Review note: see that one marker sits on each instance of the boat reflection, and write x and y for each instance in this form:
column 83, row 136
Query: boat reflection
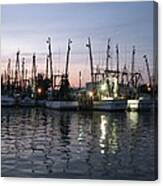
column 46, row 143
column 133, row 119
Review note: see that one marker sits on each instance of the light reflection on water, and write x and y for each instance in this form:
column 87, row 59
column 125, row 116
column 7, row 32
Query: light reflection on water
column 46, row 143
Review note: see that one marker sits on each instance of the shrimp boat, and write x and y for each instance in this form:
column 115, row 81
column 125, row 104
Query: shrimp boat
column 109, row 89
column 119, row 104
column 99, row 98
column 130, row 105
column 114, row 90
column 64, row 98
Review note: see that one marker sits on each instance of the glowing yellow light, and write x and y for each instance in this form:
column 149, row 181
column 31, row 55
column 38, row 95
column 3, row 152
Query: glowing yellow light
column 39, row 90
column 103, row 87
column 149, row 89
column 90, row 93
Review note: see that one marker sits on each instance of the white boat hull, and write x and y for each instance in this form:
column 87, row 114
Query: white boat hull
column 105, row 105
column 130, row 105
column 144, row 104
column 110, row 105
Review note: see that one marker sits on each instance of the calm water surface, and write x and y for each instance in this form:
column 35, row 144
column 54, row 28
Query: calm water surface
column 101, row 145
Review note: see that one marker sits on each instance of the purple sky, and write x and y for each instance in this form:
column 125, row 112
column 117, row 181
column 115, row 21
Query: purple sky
column 27, row 27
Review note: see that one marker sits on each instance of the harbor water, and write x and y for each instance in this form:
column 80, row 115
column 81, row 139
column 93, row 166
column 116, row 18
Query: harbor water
column 39, row 142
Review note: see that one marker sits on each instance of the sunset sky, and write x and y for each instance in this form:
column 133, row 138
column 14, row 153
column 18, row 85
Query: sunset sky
column 26, row 27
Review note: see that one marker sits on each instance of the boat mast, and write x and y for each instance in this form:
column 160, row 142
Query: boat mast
column 108, row 56
column 47, row 67
column 64, row 92
column 23, row 63
column 17, row 69
column 80, row 79
column 67, row 58
column 50, row 60
column 26, row 75
column 33, row 71
column 133, row 65
column 117, row 53
column 148, row 70
column 91, row 59
column 8, row 72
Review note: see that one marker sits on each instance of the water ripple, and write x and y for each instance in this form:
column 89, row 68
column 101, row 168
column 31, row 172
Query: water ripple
column 45, row 143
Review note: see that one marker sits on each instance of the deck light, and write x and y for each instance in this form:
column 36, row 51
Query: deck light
column 90, row 93
column 39, row 90
column 149, row 89
column 103, row 87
